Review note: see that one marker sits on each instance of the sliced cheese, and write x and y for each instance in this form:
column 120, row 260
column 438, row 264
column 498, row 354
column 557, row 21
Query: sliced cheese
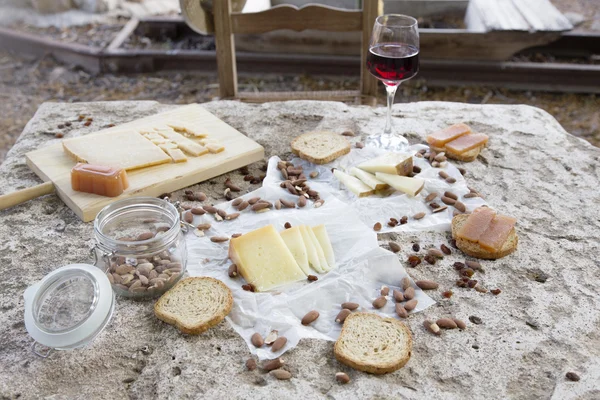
column 368, row 179
column 410, row 186
column 440, row 138
column 186, row 129
column 166, row 146
column 215, row 147
column 389, row 163
column 321, row 234
column 204, row 142
column 353, row 184
column 264, row 260
column 311, row 251
column 293, row 240
column 177, row 155
column 320, row 253
column 159, row 141
column 122, row 149
column 195, row 133
column 194, row 149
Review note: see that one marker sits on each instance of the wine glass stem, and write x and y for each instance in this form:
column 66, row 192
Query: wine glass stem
column 391, row 92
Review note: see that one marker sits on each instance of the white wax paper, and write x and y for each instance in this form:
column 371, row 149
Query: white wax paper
column 362, row 267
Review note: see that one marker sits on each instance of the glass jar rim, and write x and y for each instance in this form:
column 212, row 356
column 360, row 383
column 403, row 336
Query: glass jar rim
column 109, row 244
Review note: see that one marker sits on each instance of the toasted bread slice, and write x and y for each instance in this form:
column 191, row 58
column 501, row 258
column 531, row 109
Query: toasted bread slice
column 320, row 147
column 373, row 344
column 195, row 304
column 474, row 249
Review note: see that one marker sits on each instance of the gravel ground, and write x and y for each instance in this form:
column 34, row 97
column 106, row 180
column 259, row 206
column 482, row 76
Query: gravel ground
column 26, row 83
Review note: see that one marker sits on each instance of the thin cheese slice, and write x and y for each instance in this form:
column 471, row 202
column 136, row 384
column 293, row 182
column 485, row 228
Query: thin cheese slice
column 476, row 224
column 264, row 260
column 466, row 143
column 320, row 252
column 125, row 149
column 440, row 138
column 194, row 149
column 215, row 147
column 293, row 239
column 177, row 155
column 165, row 147
column 186, row 129
column 184, row 143
column 311, row 251
column 497, row 232
column 368, row 179
column 321, row 234
column 353, row 184
column 159, row 141
column 204, row 142
column 410, row 186
column 389, row 163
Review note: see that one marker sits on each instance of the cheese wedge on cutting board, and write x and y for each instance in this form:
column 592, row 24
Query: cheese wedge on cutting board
column 311, row 251
column 315, row 242
column 293, row 240
column 264, row 260
column 353, row 184
column 410, row 186
column 321, row 234
column 389, row 163
column 122, row 150
column 368, row 179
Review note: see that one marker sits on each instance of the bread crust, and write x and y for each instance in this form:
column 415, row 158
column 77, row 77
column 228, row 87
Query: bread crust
column 199, row 328
column 372, row 368
column 342, row 151
column 475, row 250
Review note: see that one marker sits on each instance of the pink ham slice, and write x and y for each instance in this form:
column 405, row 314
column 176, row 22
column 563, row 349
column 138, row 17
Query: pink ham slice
column 497, row 232
column 477, row 223
column 440, row 138
column 466, row 143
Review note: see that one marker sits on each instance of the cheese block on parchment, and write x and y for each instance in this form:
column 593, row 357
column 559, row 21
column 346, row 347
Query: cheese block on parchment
column 389, row 163
column 126, row 149
column 264, row 260
column 293, row 240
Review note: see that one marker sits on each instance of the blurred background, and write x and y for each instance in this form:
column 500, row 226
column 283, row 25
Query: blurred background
column 545, row 53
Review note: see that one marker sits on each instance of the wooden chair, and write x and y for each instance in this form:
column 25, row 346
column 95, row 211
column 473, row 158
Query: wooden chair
column 318, row 17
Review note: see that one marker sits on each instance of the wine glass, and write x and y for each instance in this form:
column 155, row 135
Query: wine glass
column 393, row 58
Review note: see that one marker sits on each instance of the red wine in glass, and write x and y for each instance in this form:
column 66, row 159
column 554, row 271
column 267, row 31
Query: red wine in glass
column 393, row 63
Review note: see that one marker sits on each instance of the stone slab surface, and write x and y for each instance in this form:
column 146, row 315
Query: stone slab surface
column 530, row 336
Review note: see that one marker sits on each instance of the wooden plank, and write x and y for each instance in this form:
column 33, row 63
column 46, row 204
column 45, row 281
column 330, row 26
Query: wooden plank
column 316, row 17
column 124, row 33
column 225, row 43
column 331, row 95
column 371, row 9
column 53, row 164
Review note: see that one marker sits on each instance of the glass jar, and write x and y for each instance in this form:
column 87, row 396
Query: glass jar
column 140, row 246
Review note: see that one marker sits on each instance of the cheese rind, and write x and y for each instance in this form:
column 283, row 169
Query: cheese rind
column 353, row 184
column 321, row 234
column 410, row 186
column 293, row 240
column 264, row 260
column 311, row 251
column 368, row 179
column 389, row 163
column 121, row 149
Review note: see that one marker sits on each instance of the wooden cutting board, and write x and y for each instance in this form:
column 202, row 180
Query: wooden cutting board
column 53, row 164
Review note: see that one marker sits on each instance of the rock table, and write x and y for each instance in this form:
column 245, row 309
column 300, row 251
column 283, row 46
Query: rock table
column 543, row 324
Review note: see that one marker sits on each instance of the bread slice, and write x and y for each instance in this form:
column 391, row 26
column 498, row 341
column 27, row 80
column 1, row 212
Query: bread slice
column 467, row 156
column 195, row 304
column 320, row 147
column 373, row 344
column 474, row 249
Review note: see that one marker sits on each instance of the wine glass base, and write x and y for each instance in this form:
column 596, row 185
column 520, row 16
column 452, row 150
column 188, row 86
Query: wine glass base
column 387, row 142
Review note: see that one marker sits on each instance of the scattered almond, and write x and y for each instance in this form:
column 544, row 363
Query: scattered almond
column 281, row 374
column 430, row 197
column 310, row 317
column 257, row 340
column 379, row 302
column 377, row 227
column 409, row 293
column 385, row 290
column 350, row 306
column 198, row 211
column 398, row 296
column 342, row 315
column 405, row 283
column 219, row 239
column 432, row 327
column 401, row 311
column 278, row 344
column 394, row 247
column 446, row 323
column 342, row 377
column 460, row 324
column 410, row 305
column 233, row 271
column 251, row 364
column 273, row 364
column 418, row 216
column 427, row 285
column 271, row 337
column 312, row 278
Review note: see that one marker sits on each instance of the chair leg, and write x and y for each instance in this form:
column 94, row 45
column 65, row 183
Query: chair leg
column 225, row 43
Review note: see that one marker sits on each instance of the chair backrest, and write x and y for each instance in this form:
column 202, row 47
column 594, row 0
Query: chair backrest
column 313, row 16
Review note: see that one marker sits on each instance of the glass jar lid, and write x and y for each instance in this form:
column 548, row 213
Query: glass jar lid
column 69, row 306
